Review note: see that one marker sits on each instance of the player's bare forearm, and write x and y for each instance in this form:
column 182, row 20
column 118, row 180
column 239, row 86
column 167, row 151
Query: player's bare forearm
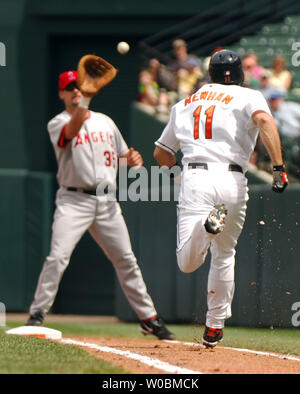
column 269, row 136
column 164, row 158
column 133, row 158
column 76, row 122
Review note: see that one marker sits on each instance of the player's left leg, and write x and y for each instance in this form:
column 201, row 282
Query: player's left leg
column 110, row 232
column 220, row 287
column 193, row 240
column 196, row 200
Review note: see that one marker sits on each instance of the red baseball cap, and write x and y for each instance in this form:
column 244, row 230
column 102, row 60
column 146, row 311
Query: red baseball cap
column 66, row 78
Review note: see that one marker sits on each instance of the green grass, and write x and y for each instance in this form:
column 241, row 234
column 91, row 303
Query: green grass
column 279, row 340
column 274, row 340
column 32, row 355
column 21, row 355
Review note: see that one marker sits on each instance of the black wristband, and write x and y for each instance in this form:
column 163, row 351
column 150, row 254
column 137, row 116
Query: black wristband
column 172, row 175
column 176, row 164
column 279, row 168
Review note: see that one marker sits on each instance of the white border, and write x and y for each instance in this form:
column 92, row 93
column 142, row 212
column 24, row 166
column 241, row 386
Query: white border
column 258, row 352
column 153, row 362
column 164, row 366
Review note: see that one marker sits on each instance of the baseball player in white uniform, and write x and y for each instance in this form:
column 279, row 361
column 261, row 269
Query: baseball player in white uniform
column 216, row 130
column 88, row 145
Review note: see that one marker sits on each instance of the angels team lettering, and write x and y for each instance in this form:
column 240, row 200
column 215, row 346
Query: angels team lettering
column 209, row 96
column 96, row 137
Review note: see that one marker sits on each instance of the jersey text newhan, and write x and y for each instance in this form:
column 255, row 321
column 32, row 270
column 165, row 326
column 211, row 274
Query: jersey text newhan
column 209, row 96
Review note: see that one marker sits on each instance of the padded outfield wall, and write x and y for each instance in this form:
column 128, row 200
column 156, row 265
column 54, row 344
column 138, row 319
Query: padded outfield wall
column 41, row 40
column 44, row 38
column 267, row 261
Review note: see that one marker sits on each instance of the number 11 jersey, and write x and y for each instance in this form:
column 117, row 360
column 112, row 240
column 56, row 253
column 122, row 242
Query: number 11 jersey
column 214, row 125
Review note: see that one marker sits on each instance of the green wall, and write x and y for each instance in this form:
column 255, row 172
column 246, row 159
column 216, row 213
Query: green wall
column 26, row 208
column 26, row 212
column 12, row 147
column 267, row 262
column 44, row 38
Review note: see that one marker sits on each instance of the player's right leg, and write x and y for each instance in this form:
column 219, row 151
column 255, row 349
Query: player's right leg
column 220, row 286
column 196, row 201
column 110, row 232
column 73, row 215
column 193, row 240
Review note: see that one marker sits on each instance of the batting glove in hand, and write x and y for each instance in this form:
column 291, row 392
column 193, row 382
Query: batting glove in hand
column 280, row 180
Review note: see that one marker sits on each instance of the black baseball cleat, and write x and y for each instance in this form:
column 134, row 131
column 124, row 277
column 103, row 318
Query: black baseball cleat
column 215, row 221
column 36, row 319
column 156, row 327
column 212, row 336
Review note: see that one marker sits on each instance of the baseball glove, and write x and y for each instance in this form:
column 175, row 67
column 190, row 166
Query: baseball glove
column 93, row 74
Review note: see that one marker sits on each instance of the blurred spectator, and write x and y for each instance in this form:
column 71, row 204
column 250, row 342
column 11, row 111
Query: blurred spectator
column 252, row 71
column 164, row 103
column 186, row 68
column 176, row 79
column 205, row 78
column 165, row 78
column 154, row 99
column 281, row 76
column 265, row 86
column 205, row 67
column 286, row 115
column 187, row 81
column 182, row 57
column 287, row 118
column 148, row 89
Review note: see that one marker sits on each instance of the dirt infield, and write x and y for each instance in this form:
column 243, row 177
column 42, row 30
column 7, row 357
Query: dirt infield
column 184, row 356
column 196, row 358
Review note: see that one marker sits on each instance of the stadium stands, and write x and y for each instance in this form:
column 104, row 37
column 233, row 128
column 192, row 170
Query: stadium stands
column 276, row 39
column 281, row 37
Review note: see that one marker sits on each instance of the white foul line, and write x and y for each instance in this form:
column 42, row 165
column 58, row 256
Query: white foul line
column 153, row 362
column 261, row 353
column 282, row 356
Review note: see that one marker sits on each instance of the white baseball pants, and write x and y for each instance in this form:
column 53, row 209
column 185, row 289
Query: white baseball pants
column 200, row 191
column 76, row 213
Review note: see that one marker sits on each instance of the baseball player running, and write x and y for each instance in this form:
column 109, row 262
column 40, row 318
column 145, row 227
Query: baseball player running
column 87, row 145
column 216, row 130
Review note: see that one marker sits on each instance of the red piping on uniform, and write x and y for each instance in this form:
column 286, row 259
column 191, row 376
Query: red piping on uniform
column 62, row 141
column 150, row 318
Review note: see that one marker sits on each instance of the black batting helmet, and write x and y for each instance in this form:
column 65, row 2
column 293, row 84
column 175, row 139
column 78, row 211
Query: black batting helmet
column 225, row 67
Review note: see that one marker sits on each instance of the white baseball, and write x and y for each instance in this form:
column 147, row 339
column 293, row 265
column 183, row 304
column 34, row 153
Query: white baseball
column 123, row 47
